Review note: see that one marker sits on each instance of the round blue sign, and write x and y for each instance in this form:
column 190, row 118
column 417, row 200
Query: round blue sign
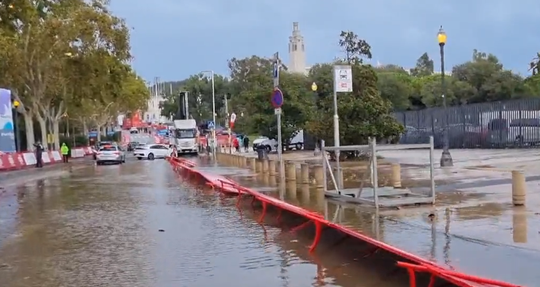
column 277, row 98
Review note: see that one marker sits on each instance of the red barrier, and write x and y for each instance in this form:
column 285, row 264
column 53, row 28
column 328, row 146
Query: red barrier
column 226, row 185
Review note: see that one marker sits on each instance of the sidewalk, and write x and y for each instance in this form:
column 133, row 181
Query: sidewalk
column 30, row 171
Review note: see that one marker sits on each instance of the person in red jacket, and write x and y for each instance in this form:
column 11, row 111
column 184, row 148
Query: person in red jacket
column 236, row 144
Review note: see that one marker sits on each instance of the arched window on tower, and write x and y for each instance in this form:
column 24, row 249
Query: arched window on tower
column 303, row 47
column 295, row 47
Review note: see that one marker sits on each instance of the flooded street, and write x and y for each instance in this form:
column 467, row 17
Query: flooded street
column 139, row 225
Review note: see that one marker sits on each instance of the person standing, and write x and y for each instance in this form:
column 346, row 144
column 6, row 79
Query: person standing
column 246, row 144
column 65, row 152
column 39, row 153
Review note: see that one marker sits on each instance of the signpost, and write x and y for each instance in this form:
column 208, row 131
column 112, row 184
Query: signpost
column 277, row 102
column 342, row 84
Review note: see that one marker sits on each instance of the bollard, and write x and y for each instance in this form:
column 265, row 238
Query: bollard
column 519, row 225
column 265, row 166
column 291, row 192
column 319, row 176
column 305, row 194
column 304, row 173
column 272, row 167
column 518, row 188
column 253, row 164
column 258, row 166
column 272, row 180
column 396, row 175
column 290, row 171
column 243, row 161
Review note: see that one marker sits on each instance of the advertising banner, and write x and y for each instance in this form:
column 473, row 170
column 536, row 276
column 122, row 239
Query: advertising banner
column 7, row 131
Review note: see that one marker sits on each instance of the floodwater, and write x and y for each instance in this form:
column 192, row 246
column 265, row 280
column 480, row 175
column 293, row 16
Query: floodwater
column 139, row 224
column 490, row 240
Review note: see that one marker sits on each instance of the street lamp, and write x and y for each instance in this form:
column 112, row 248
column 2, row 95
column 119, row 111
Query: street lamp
column 446, row 157
column 213, row 109
column 16, row 105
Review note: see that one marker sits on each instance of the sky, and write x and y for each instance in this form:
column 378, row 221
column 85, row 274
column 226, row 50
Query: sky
column 172, row 39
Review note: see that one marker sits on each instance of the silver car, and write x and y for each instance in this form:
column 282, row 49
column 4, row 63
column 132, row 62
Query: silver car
column 110, row 153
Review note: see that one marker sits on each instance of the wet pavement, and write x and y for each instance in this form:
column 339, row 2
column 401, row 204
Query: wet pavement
column 474, row 228
column 139, row 224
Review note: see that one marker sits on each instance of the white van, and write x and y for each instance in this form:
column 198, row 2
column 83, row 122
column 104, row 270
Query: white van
column 504, row 132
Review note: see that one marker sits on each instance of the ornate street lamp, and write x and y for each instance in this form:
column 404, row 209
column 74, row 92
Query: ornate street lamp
column 446, row 157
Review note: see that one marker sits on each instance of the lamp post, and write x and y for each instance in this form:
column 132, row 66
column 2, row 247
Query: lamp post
column 314, row 90
column 16, row 105
column 446, row 157
column 213, row 111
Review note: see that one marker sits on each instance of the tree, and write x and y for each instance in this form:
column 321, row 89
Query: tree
column 251, row 88
column 395, row 85
column 355, row 48
column 363, row 113
column 66, row 57
column 424, row 66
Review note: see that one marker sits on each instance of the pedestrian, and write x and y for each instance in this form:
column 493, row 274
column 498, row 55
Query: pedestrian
column 246, row 144
column 236, row 144
column 39, row 153
column 65, row 152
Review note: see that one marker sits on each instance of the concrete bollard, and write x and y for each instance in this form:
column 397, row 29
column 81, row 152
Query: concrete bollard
column 272, row 167
column 396, row 175
column 253, row 164
column 305, row 194
column 319, row 176
column 518, row 188
column 290, row 171
column 291, row 191
column 519, row 225
column 304, row 173
column 243, row 161
column 265, row 166
column 258, row 166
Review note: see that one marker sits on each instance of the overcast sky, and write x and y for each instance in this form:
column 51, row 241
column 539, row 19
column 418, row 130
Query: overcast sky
column 175, row 38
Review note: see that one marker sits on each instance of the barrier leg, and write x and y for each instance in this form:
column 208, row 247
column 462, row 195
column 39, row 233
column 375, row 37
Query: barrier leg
column 318, row 231
column 264, row 206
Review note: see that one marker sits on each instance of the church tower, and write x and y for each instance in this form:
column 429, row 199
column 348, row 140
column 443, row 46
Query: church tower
column 297, row 52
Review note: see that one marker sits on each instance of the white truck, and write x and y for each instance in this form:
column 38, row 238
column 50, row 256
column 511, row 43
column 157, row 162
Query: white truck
column 186, row 136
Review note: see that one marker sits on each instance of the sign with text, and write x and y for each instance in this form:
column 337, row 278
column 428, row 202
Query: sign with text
column 7, row 129
column 343, row 79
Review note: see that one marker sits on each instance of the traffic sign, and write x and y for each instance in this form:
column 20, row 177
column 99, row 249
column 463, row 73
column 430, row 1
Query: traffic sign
column 276, row 70
column 277, row 98
column 277, row 111
column 211, row 125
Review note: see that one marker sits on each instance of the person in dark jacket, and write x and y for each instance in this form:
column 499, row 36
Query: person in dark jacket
column 246, row 144
column 39, row 154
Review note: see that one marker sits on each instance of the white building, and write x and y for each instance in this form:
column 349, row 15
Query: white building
column 297, row 52
column 153, row 111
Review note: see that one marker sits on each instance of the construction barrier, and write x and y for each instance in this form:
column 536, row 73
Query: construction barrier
column 419, row 270
column 21, row 160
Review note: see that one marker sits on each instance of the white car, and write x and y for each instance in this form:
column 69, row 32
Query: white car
column 152, row 151
column 268, row 144
column 110, row 153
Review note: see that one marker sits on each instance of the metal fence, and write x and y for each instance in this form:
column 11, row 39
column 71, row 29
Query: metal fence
column 488, row 125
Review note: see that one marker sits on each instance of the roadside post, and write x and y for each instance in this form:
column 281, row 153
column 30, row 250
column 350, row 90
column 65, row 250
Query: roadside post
column 342, row 84
column 277, row 102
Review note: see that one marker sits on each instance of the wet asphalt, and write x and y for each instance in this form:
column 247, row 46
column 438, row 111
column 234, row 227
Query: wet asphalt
column 140, row 224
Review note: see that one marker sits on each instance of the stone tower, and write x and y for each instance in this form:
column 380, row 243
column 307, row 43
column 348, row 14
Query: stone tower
column 297, row 52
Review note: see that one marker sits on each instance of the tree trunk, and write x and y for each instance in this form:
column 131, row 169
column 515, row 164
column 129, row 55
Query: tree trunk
column 56, row 134
column 43, row 129
column 98, row 133
column 29, row 127
column 85, row 128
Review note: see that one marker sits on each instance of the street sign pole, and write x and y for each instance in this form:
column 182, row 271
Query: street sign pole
column 277, row 65
column 342, row 84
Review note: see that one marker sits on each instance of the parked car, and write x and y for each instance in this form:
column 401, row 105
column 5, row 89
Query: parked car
column 110, row 153
column 152, row 151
